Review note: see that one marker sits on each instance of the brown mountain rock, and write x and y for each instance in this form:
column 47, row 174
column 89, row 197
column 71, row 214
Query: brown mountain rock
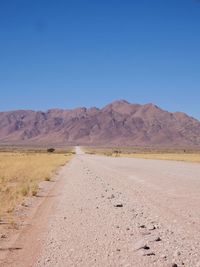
column 119, row 123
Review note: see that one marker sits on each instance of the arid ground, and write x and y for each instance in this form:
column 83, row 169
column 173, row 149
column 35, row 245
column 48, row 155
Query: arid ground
column 107, row 211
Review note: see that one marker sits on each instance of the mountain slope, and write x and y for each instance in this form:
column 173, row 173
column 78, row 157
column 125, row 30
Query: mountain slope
column 119, row 123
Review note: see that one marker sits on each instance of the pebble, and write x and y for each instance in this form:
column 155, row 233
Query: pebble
column 148, row 254
column 164, row 257
column 3, row 236
column 174, row 265
column 154, row 239
column 141, row 245
column 119, row 206
column 151, row 228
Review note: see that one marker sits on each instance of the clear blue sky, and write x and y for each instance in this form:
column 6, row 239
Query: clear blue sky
column 69, row 53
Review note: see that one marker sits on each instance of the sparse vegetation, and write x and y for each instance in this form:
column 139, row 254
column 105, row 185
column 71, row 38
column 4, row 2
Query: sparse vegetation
column 177, row 155
column 21, row 172
column 187, row 157
column 51, row 150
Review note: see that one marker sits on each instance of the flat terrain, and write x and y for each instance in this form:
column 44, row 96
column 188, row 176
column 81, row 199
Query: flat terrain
column 105, row 211
column 187, row 157
column 181, row 155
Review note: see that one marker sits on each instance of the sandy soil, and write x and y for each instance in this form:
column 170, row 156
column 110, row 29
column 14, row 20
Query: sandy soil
column 115, row 212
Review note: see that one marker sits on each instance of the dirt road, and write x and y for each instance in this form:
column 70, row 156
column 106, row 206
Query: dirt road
column 115, row 212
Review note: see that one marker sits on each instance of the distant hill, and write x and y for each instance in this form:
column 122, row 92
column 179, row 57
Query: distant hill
column 119, row 123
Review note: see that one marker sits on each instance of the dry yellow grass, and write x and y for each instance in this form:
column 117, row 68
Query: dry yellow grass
column 193, row 156
column 20, row 174
column 187, row 157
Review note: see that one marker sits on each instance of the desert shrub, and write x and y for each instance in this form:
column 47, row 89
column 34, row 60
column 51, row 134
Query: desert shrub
column 51, row 150
column 116, row 153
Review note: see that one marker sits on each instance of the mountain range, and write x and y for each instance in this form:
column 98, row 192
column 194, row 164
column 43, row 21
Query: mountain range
column 117, row 124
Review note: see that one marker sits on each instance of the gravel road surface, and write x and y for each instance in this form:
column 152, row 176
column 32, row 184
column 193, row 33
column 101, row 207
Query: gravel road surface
column 105, row 211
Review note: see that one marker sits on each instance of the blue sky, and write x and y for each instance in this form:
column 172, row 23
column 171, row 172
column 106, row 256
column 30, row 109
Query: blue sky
column 70, row 53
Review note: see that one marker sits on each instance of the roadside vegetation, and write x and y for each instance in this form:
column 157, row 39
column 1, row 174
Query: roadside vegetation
column 187, row 157
column 21, row 173
column 176, row 155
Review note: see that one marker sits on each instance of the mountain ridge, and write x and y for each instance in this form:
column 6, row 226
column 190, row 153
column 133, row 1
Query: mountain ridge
column 118, row 123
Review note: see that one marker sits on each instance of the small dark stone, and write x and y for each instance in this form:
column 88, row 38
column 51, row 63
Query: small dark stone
column 158, row 239
column 174, row 265
column 152, row 228
column 141, row 245
column 119, row 206
column 148, row 254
